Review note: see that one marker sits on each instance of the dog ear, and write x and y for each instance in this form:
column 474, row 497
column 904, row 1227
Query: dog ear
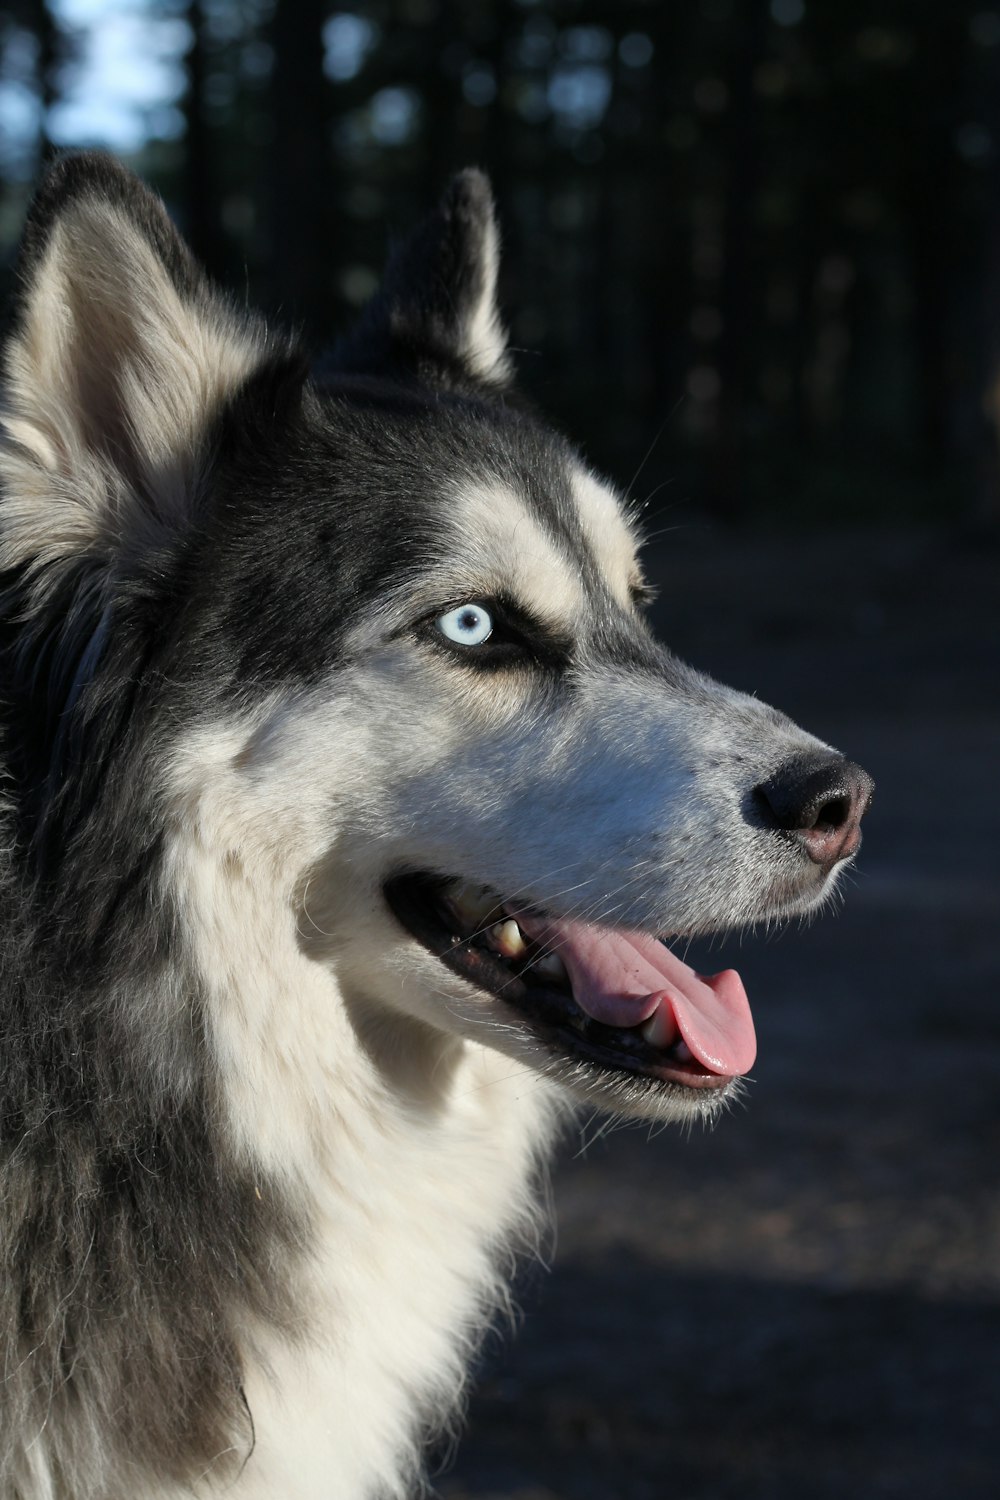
column 435, row 316
column 120, row 360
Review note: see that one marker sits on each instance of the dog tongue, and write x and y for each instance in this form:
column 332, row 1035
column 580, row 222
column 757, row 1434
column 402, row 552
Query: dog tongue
column 621, row 978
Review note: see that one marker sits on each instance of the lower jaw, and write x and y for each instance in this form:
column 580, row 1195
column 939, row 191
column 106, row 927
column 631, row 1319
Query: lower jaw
column 549, row 1015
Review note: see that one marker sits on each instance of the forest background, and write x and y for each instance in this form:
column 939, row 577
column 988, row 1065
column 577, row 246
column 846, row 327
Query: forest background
column 763, row 236
column 752, row 263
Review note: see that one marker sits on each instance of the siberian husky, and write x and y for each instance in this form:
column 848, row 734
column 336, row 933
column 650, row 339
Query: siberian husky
column 346, row 798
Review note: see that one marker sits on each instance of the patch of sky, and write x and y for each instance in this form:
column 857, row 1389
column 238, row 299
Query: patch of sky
column 347, row 41
column 126, row 77
column 579, row 94
column 479, row 85
column 394, row 114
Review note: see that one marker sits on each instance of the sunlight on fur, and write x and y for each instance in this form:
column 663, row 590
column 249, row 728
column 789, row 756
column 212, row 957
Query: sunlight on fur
column 348, row 807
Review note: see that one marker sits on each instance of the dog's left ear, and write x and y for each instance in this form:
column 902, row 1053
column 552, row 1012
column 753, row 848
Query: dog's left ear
column 435, row 317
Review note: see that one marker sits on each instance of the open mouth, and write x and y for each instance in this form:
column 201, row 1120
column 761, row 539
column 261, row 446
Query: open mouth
column 612, row 997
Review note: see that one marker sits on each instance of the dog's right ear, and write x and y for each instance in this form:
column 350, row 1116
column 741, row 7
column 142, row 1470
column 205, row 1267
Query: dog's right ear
column 120, row 360
column 435, row 317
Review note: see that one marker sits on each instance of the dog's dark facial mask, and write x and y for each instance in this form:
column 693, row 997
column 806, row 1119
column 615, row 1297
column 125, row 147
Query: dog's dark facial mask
column 382, row 637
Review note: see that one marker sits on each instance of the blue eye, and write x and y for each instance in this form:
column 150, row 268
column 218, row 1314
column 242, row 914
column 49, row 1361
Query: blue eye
column 468, row 625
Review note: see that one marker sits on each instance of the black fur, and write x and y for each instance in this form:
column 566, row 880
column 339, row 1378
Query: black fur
column 125, row 1229
column 131, row 1248
column 412, row 328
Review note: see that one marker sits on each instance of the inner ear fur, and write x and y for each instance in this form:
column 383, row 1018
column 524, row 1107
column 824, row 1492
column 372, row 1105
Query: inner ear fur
column 120, row 357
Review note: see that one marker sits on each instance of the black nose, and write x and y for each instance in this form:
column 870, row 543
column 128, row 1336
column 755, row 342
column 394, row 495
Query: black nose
column 819, row 800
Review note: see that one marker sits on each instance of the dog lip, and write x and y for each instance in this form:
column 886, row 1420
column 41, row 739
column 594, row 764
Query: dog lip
column 419, row 902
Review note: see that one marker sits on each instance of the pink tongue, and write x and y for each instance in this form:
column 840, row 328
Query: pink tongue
column 621, row 978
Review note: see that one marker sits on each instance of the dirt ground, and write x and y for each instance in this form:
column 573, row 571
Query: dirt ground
column 804, row 1304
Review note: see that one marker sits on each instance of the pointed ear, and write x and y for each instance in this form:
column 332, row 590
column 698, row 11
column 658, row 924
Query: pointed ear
column 120, row 360
column 435, row 316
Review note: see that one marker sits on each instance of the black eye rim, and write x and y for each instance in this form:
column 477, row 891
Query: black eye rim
column 518, row 638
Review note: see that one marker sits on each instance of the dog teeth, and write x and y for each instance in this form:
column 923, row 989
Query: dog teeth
column 508, row 940
column 660, row 1029
column 683, row 1052
column 551, row 965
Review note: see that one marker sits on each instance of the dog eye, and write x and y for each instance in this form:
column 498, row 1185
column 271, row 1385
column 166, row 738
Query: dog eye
column 468, row 625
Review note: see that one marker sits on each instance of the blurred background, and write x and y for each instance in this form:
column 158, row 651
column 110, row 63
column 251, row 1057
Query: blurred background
column 753, row 265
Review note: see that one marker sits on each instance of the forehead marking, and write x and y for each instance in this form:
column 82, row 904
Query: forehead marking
column 502, row 541
column 610, row 538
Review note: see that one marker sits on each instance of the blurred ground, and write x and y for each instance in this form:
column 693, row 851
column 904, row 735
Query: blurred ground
column 805, row 1303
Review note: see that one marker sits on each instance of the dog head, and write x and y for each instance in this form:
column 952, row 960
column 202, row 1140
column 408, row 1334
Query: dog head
column 385, row 632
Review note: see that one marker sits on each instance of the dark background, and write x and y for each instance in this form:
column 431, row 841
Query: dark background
column 753, row 265
column 767, row 232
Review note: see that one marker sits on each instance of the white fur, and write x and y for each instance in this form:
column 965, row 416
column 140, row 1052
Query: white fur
column 108, row 382
column 414, row 1153
column 483, row 337
column 611, row 536
column 401, row 1110
column 353, row 1064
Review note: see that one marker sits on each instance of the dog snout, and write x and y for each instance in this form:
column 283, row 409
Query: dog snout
column 818, row 800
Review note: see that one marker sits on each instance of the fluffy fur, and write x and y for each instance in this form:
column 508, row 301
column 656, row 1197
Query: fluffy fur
column 264, row 1156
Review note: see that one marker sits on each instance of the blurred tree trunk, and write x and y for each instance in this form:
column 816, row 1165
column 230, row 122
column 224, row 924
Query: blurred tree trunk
column 201, row 197
column 727, row 485
column 499, row 134
column 440, row 93
column 660, row 258
column 38, row 19
column 932, row 207
column 988, row 372
column 303, row 181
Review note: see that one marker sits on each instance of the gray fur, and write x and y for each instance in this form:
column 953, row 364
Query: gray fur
column 264, row 1158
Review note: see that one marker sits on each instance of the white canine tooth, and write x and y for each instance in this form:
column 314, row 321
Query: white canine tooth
column 551, row 965
column 683, row 1052
column 508, row 939
column 659, row 1029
